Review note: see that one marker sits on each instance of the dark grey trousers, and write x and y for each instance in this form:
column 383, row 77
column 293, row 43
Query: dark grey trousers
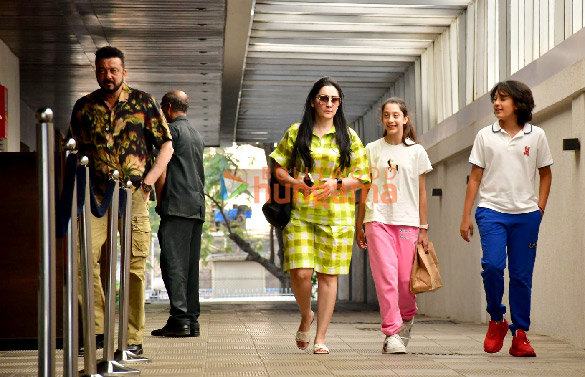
column 180, row 243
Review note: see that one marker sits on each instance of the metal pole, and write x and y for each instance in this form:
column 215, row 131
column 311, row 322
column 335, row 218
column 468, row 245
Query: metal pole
column 108, row 366
column 47, row 292
column 111, row 250
column 86, row 260
column 126, row 239
column 70, row 324
column 122, row 354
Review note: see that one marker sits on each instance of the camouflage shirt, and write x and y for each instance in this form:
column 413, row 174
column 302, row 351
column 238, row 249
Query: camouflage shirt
column 120, row 139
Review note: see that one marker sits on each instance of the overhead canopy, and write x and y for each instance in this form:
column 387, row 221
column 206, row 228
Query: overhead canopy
column 247, row 66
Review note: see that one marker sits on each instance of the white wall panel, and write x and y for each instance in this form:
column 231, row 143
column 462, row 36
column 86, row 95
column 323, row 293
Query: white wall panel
column 470, row 55
column 453, row 60
column 528, row 31
column 521, row 32
column 535, row 29
column 480, row 48
column 488, row 42
column 577, row 15
column 544, row 26
column 514, row 37
column 491, row 44
column 568, row 18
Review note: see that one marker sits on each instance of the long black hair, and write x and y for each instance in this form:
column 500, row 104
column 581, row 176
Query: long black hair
column 305, row 134
column 521, row 95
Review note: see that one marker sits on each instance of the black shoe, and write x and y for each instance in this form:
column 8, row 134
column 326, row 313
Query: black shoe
column 135, row 349
column 172, row 331
column 195, row 329
column 99, row 344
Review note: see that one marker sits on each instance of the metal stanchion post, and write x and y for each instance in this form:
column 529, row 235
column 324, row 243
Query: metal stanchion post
column 70, row 324
column 109, row 366
column 122, row 354
column 86, row 261
column 47, row 291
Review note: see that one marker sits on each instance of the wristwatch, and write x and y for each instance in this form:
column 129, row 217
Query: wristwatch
column 339, row 183
column 424, row 226
column 146, row 188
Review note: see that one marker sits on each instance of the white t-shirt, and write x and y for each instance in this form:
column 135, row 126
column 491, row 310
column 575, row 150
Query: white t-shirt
column 510, row 167
column 393, row 196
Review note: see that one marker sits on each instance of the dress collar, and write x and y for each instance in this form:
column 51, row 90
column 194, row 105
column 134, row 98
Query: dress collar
column 526, row 129
column 331, row 131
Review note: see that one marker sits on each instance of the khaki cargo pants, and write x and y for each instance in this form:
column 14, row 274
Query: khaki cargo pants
column 140, row 250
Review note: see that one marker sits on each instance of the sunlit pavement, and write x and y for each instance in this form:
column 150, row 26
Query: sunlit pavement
column 257, row 339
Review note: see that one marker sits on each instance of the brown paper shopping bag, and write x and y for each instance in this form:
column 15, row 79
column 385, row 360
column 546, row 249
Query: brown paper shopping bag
column 425, row 276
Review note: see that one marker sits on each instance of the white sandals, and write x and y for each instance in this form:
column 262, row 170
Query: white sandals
column 303, row 338
column 320, row 349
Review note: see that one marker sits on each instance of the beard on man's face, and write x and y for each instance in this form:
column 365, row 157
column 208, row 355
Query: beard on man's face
column 110, row 89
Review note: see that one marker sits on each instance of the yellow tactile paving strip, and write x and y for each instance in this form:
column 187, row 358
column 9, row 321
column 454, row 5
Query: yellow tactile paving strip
column 257, row 339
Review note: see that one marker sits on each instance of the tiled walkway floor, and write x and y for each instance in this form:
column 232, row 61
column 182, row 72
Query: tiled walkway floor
column 257, row 339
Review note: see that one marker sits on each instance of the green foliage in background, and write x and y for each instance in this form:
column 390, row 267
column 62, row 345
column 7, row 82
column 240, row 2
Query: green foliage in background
column 154, row 218
column 215, row 161
column 220, row 238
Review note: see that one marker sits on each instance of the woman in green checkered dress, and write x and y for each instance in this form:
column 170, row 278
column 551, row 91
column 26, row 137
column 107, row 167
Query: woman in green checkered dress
column 328, row 163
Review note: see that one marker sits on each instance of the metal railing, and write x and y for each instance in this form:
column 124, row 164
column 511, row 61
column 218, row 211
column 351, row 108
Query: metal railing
column 79, row 238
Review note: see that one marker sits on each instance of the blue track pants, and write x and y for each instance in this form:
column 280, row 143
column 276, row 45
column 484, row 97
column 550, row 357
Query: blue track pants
column 514, row 236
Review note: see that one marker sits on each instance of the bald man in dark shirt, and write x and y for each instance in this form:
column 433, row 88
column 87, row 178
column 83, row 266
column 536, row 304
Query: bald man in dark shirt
column 181, row 205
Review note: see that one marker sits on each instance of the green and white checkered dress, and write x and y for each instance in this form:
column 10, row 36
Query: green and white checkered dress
column 320, row 234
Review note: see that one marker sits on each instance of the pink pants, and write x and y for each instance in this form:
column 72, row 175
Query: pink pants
column 391, row 250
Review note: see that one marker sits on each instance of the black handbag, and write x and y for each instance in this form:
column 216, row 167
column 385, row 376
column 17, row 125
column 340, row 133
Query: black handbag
column 278, row 207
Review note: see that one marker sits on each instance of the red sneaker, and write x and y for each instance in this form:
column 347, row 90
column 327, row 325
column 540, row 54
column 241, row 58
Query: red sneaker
column 494, row 339
column 521, row 345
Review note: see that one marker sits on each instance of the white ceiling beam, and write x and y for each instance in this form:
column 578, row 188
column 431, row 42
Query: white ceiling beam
column 361, row 28
column 307, row 34
column 321, row 71
column 386, row 43
column 413, row 3
column 277, row 79
column 252, row 84
column 334, row 56
column 301, row 63
column 321, row 22
column 383, row 10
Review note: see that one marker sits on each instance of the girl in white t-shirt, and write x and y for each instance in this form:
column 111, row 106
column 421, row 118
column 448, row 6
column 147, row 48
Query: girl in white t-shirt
column 390, row 218
column 505, row 159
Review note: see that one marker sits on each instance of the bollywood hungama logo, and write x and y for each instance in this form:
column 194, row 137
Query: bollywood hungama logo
column 231, row 185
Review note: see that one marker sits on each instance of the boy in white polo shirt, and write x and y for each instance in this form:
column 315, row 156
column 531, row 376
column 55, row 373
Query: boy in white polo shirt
column 505, row 158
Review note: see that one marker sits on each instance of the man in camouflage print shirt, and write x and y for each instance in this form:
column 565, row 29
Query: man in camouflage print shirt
column 118, row 127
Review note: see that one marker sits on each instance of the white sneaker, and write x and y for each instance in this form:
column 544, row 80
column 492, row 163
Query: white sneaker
column 393, row 344
column 405, row 331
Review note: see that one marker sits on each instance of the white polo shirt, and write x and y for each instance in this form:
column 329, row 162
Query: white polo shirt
column 510, row 167
column 395, row 169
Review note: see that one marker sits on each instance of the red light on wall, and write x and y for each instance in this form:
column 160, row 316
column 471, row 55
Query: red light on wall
column 3, row 111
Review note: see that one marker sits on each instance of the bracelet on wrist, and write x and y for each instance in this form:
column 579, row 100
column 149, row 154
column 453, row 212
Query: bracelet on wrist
column 424, row 226
column 541, row 209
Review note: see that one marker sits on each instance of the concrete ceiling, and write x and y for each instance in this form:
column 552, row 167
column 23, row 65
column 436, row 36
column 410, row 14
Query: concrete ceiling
column 247, row 65
column 364, row 44
column 171, row 44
